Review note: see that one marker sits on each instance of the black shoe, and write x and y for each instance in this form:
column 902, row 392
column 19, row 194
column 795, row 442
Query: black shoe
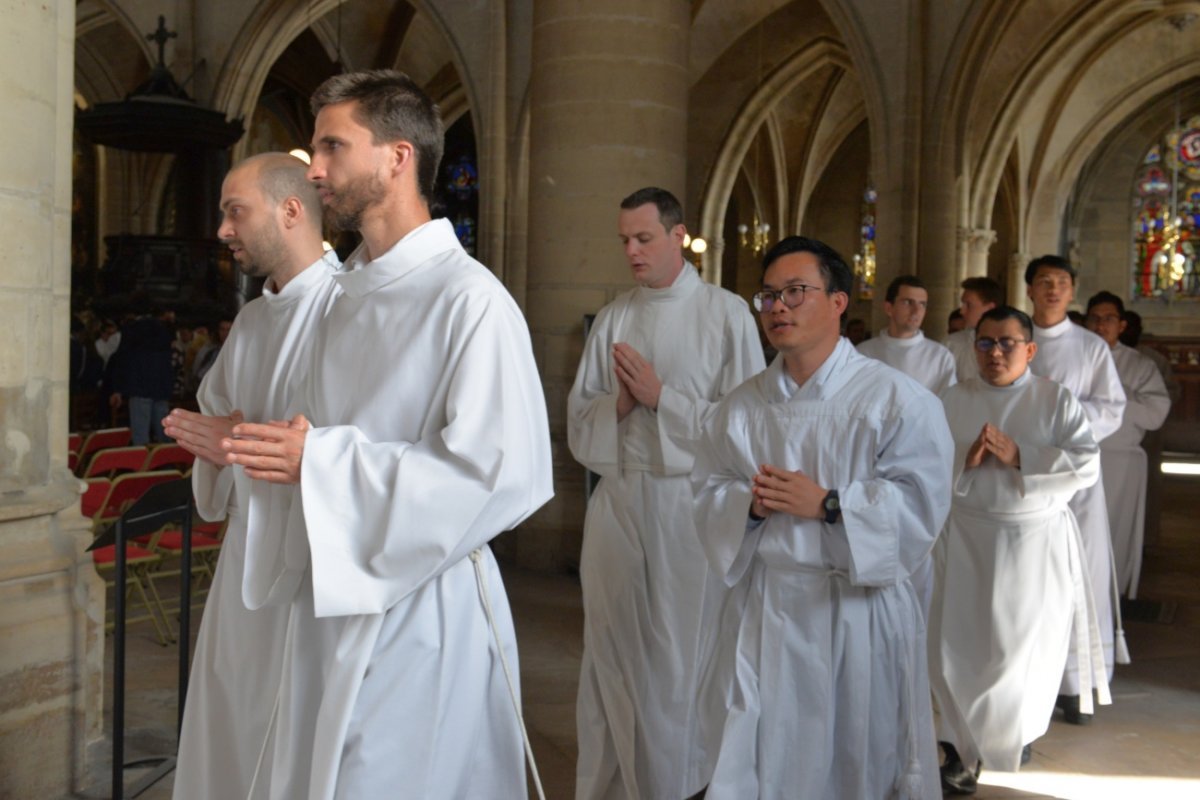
column 1026, row 754
column 1069, row 703
column 956, row 778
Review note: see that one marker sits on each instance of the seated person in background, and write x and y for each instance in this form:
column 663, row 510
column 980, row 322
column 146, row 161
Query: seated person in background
column 1008, row 576
column 955, row 322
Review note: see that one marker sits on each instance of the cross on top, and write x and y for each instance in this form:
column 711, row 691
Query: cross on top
column 161, row 35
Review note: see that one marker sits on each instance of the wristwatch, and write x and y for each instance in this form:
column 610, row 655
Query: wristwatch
column 833, row 509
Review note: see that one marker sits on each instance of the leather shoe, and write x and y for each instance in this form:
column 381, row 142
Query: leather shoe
column 1069, row 703
column 956, row 778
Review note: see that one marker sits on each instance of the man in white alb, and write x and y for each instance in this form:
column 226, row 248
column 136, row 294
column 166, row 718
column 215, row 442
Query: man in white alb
column 656, row 362
column 271, row 222
column 1009, row 577
column 979, row 294
column 422, row 435
column 821, row 484
column 1147, row 404
column 902, row 345
column 1080, row 361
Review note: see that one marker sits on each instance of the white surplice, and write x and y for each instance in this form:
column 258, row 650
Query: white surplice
column 429, row 438
column 924, row 360
column 236, row 666
column 1147, row 404
column 1080, row 360
column 1010, row 580
column 961, row 345
column 650, row 601
column 831, row 696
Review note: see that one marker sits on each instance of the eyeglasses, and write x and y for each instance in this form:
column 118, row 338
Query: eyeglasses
column 1007, row 344
column 792, row 296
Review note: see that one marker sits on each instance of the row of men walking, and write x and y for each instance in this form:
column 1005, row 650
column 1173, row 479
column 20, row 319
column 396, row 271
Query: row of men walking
column 752, row 620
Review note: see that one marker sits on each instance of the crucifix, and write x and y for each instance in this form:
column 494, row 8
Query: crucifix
column 160, row 36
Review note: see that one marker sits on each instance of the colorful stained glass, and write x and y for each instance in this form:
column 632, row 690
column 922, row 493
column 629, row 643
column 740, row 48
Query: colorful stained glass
column 864, row 259
column 1166, row 217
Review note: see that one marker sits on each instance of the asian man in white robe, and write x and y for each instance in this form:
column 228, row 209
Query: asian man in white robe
column 902, row 344
column 422, row 436
column 271, row 222
column 1080, row 361
column 1010, row 578
column 979, row 294
column 821, row 485
column 1147, row 404
column 656, row 362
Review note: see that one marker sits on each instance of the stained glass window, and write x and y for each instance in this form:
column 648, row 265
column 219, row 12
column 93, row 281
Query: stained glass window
column 864, row 259
column 1166, row 217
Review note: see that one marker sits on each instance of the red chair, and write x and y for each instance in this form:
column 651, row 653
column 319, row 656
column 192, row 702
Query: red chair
column 116, row 460
column 104, row 439
column 74, row 442
column 127, row 488
column 169, row 456
column 72, row 461
column 138, row 561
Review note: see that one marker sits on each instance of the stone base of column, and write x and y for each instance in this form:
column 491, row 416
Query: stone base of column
column 51, row 642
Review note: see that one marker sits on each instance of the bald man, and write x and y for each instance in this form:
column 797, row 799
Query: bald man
column 271, row 222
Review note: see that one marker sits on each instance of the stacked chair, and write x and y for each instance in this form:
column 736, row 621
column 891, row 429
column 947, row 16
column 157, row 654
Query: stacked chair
column 117, row 474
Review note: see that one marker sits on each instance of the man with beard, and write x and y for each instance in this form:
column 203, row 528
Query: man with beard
column 271, row 222
column 428, row 438
column 1081, row 361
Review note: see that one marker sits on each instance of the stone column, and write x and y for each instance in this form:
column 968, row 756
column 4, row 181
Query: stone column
column 608, row 115
column 1016, row 281
column 51, row 603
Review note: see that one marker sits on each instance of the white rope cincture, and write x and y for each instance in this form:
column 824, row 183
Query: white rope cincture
column 481, row 580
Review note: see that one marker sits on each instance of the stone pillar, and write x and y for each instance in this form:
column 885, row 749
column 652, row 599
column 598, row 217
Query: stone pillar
column 1016, row 281
column 608, row 115
column 51, row 603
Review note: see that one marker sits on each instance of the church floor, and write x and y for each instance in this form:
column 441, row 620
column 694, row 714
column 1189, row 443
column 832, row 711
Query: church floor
column 1146, row 745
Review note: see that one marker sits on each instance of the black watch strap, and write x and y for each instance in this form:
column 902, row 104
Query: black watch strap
column 832, row 507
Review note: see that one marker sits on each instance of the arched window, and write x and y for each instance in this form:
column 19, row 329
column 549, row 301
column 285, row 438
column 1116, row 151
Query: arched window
column 1166, row 217
column 864, row 259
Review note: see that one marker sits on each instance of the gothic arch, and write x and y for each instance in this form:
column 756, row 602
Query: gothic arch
column 745, row 127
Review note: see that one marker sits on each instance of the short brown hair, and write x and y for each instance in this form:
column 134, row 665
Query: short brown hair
column 988, row 290
column 393, row 108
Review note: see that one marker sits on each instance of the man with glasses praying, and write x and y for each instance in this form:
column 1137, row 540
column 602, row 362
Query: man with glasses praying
column 1080, row 361
column 821, row 485
column 1122, row 458
column 656, row 362
column 902, row 345
column 1009, row 576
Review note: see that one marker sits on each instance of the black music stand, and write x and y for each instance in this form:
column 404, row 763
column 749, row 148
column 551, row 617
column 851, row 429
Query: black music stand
column 161, row 504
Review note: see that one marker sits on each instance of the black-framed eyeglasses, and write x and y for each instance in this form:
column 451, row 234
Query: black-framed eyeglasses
column 792, row 296
column 1007, row 344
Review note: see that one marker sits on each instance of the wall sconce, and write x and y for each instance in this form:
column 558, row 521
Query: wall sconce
column 755, row 236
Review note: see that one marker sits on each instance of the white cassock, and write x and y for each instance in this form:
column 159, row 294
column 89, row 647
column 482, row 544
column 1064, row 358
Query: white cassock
column 931, row 365
column 429, row 438
column 650, row 601
column 235, row 669
column 924, row 360
column 1010, row 576
column 961, row 345
column 831, row 695
column 1080, row 360
column 1147, row 404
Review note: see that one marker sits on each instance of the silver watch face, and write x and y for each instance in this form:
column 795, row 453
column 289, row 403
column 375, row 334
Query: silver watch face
column 831, row 504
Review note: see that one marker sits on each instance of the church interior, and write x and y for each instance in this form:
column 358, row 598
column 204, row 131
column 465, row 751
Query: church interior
column 928, row 137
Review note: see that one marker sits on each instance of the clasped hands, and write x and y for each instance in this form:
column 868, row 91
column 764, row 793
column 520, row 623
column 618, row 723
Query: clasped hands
column 995, row 442
column 269, row 451
column 776, row 489
column 636, row 379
